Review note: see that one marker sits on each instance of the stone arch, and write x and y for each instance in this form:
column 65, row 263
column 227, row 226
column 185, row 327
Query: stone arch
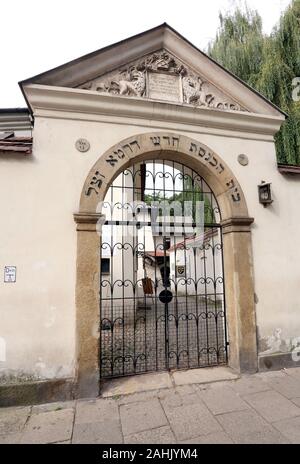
column 236, row 238
column 175, row 147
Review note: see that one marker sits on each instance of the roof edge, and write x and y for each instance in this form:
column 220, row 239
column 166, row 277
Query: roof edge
column 164, row 25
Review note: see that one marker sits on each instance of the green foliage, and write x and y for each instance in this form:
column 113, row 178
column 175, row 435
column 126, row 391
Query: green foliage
column 239, row 43
column 191, row 192
column 268, row 63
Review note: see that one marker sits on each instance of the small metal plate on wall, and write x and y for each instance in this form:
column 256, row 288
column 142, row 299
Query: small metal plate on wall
column 82, row 145
column 243, row 160
column 10, row 273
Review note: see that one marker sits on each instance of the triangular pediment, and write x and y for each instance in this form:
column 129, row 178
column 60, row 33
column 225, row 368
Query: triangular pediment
column 160, row 65
column 162, row 76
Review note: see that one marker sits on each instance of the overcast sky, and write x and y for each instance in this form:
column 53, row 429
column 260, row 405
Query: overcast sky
column 37, row 35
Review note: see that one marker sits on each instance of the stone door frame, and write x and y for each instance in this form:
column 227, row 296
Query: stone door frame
column 237, row 252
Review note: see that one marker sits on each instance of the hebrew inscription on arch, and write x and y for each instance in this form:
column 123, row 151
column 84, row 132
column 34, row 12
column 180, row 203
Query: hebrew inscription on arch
column 139, row 145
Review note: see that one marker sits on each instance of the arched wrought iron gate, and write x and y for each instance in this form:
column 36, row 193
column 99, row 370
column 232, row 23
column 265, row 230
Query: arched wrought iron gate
column 162, row 301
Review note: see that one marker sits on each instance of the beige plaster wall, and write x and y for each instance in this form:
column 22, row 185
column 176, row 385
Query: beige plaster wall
column 39, row 195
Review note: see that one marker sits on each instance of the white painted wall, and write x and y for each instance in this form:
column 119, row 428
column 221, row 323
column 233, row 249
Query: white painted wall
column 39, row 195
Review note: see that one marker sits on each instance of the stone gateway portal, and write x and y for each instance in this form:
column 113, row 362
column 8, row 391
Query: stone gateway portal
column 162, row 302
column 173, row 261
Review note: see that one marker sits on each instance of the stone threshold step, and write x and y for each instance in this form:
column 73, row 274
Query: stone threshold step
column 161, row 380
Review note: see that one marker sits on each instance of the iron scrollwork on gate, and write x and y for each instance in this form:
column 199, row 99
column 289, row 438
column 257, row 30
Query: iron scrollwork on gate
column 162, row 300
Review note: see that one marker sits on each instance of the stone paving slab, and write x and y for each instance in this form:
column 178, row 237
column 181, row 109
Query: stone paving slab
column 159, row 436
column 219, row 438
column 250, row 384
column 53, row 406
column 137, row 397
column 272, row 406
column 287, row 385
column 100, row 410
column 290, row 428
column 107, row 432
column 12, row 420
column 293, row 371
column 248, row 427
column 10, row 439
column 48, row 427
column 179, row 396
column 296, row 401
column 261, row 408
column 222, row 399
column 138, row 417
column 190, row 421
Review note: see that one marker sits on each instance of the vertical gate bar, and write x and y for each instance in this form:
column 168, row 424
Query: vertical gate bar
column 155, row 270
column 224, row 297
column 215, row 291
column 166, row 309
column 175, row 304
column 135, row 276
column 185, row 177
column 123, row 287
column 100, row 305
column 195, row 216
column 111, row 286
column 205, row 282
column 164, row 272
column 145, row 274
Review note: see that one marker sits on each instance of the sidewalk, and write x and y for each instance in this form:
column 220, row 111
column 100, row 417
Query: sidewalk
column 177, row 408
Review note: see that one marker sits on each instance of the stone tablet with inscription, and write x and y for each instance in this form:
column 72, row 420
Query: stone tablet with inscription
column 162, row 86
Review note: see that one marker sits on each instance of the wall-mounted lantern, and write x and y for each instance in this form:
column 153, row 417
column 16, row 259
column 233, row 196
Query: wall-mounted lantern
column 264, row 193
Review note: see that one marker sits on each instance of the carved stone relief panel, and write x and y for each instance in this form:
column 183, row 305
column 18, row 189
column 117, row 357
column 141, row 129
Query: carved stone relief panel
column 161, row 76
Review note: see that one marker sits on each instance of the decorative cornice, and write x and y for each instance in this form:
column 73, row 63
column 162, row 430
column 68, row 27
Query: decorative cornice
column 87, row 222
column 78, row 104
column 87, row 218
column 237, row 224
column 15, row 121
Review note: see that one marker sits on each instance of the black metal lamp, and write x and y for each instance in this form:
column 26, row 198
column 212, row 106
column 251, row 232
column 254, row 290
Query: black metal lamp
column 264, row 193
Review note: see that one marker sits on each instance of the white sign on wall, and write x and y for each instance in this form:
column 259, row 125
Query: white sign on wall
column 10, row 273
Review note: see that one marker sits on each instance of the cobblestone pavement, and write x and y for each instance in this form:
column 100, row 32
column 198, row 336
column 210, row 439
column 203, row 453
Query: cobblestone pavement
column 262, row 408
